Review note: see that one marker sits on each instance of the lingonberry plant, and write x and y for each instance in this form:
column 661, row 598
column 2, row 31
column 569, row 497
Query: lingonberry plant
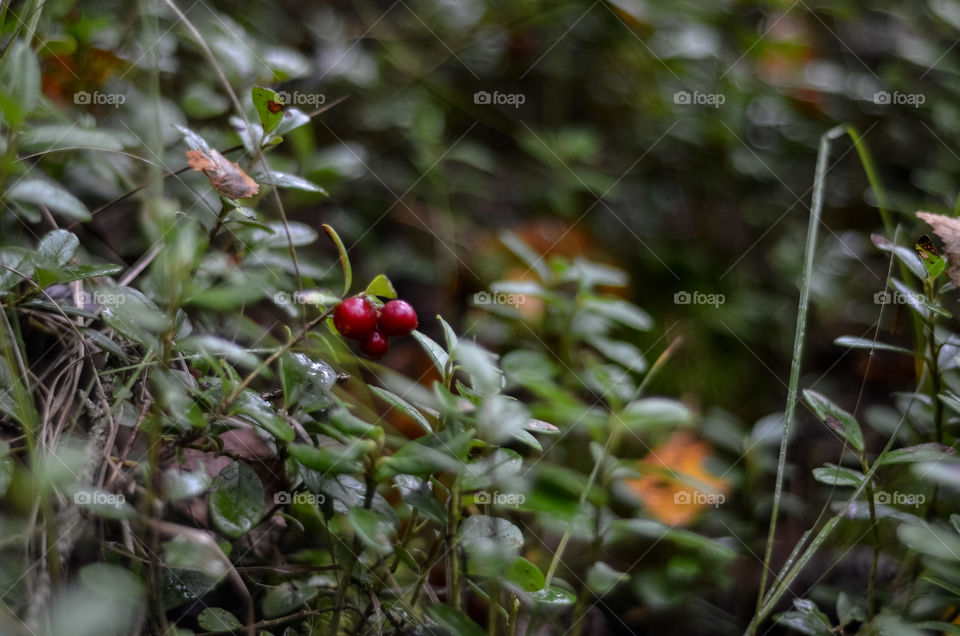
column 200, row 474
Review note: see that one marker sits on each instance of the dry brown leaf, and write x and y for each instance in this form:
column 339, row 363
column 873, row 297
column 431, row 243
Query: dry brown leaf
column 226, row 177
column 948, row 229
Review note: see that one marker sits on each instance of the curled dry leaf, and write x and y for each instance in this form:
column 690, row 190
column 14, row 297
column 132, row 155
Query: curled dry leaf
column 948, row 229
column 225, row 176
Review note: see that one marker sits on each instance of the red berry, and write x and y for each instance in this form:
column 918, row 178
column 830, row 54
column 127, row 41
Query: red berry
column 397, row 318
column 355, row 318
column 375, row 345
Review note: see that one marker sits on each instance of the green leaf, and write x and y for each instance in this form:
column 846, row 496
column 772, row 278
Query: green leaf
column 806, row 619
column 292, row 118
column 836, row 418
column 905, row 255
column 483, row 527
column 853, row 342
column 344, row 257
column 525, row 574
column 327, row 461
column 917, row 301
column 928, row 452
column 83, row 272
column 847, row 612
column 372, row 529
column 289, row 181
column 479, row 364
column 254, row 407
column 287, row 598
column 935, row 541
column 419, row 458
column 623, row 353
column 944, row 472
column 449, row 335
column 935, row 265
column 350, row 424
column 525, row 253
column 624, row 312
column 261, row 99
column 455, row 622
column 306, row 382
column 60, row 136
column 381, row 286
column 276, row 235
column 435, row 352
column 59, row 247
column 216, row 619
column 49, row 194
column 833, row 475
column 655, row 412
column 226, row 297
column 591, row 274
column 19, row 82
column 181, row 484
column 601, row 578
column 134, row 315
column 236, row 503
column 216, row 347
column 403, row 406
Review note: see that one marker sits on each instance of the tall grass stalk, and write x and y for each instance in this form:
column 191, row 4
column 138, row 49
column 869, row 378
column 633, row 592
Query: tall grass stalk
column 799, row 335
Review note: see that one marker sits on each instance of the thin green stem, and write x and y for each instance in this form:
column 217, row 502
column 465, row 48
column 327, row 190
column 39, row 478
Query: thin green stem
column 493, row 607
column 799, row 335
column 453, row 555
column 514, row 612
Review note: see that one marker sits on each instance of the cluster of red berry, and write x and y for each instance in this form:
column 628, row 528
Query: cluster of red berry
column 359, row 319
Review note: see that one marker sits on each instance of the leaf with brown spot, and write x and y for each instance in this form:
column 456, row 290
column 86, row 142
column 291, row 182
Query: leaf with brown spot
column 948, row 229
column 225, row 176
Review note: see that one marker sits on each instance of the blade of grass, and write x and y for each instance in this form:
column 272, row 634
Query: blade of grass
column 799, row 335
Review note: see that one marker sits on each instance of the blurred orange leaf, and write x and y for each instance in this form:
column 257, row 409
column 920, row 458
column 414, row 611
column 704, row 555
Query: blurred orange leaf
column 678, row 486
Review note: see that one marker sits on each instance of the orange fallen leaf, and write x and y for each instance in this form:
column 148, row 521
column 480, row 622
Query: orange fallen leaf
column 225, row 176
column 678, row 486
